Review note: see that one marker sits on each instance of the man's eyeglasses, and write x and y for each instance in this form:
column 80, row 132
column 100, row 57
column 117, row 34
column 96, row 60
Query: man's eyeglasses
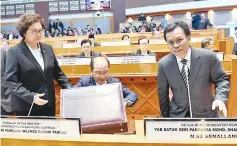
column 101, row 73
column 36, row 32
column 178, row 41
column 144, row 44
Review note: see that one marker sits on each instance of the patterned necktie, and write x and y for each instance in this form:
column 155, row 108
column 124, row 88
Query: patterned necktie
column 183, row 72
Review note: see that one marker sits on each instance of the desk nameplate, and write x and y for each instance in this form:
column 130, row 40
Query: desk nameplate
column 201, row 130
column 113, row 60
column 45, row 128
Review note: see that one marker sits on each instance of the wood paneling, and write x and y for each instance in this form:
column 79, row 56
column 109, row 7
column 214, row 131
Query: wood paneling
column 142, row 79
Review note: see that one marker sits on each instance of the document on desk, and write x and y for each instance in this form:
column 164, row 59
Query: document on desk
column 44, row 128
column 94, row 105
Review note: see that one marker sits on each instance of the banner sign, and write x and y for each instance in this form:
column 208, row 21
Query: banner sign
column 196, row 130
column 46, row 128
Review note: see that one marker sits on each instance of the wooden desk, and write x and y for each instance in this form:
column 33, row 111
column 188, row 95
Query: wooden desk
column 137, row 139
column 216, row 34
column 142, row 79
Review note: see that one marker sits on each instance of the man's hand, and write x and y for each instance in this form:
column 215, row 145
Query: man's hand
column 40, row 101
column 220, row 104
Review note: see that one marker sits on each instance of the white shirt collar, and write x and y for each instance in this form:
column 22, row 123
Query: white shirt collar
column 34, row 49
column 144, row 53
column 187, row 57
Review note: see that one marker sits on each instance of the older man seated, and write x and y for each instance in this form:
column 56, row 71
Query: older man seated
column 100, row 75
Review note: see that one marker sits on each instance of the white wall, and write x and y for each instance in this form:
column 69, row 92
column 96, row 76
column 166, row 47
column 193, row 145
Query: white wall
column 182, row 6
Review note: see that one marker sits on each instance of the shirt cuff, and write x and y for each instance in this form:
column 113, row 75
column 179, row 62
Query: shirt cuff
column 129, row 102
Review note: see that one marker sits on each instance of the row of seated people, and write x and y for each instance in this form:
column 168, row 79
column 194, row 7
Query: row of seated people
column 87, row 51
column 31, row 68
column 143, row 42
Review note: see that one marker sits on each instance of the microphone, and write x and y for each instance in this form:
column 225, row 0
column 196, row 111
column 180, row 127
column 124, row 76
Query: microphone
column 31, row 106
column 189, row 97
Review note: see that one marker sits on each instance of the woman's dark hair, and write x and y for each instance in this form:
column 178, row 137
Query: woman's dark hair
column 170, row 27
column 142, row 39
column 125, row 36
column 26, row 20
column 86, row 41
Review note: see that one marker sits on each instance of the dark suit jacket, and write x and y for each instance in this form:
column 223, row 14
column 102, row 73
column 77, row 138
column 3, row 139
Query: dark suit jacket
column 25, row 78
column 203, row 24
column 205, row 69
column 93, row 54
column 52, row 26
column 195, row 21
column 89, row 81
column 139, row 53
column 60, row 24
column 5, row 100
column 235, row 49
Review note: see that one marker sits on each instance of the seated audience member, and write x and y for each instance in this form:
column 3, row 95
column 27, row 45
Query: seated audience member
column 100, row 75
column 142, row 17
column 143, row 48
column 125, row 37
column 5, row 44
column 86, row 46
column 235, row 46
column 52, row 32
column 157, row 35
column 91, row 37
column 142, row 29
column 47, row 34
column 207, row 44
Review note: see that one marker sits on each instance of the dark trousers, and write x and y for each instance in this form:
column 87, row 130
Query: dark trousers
column 5, row 113
column 43, row 111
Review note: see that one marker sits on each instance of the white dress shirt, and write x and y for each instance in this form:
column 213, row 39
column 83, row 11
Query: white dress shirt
column 187, row 57
column 38, row 55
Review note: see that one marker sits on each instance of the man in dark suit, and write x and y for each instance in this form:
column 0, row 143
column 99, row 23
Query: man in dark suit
column 235, row 46
column 5, row 100
column 195, row 21
column 143, row 48
column 98, row 30
column 59, row 24
column 86, row 46
column 204, row 22
column 142, row 17
column 190, row 73
column 51, row 25
column 100, row 75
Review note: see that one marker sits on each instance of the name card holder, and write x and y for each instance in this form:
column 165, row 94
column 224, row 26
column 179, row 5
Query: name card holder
column 45, row 128
column 113, row 60
column 116, row 43
column 74, row 61
column 157, row 41
column 132, row 59
column 73, row 45
column 221, row 131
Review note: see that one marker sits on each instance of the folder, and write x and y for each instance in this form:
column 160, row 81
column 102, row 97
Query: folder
column 100, row 108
